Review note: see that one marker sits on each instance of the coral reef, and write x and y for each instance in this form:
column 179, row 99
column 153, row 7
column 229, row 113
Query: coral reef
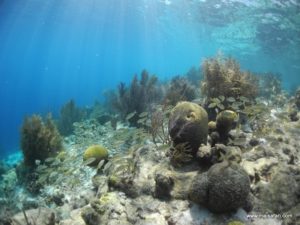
column 223, row 188
column 137, row 98
column 69, row 114
column 210, row 168
column 223, row 77
column 179, row 89
column 94, row 154
column 39, row 139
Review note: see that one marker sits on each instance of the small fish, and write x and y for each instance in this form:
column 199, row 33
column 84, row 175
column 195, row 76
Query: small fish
column 100, row 164
column 53, row 174
column 106, row 167
column 216, row 100
column 37, row 162
column 130, row 115
column 221, row 106
column 244, row 99
column 89, row 161
column 142, row 120
column 41, row 167
column 42, row 179
column 212, row 105
column 48, row 160
column 143, row 114
column 222, row 98
column 230, row 99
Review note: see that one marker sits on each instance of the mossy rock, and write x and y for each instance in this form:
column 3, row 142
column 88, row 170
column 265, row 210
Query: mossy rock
column 95, row 154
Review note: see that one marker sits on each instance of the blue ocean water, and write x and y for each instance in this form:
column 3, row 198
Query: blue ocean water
column 55, row 50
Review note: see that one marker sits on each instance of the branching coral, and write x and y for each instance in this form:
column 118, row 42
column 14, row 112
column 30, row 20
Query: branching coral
column 223, row 77
column 136, row 98
column 39, row 139
column 69, row 114
column 159, row 124
column 179, row 90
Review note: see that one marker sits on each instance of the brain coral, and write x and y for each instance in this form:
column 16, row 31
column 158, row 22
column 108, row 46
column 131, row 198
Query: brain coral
column 95, row 153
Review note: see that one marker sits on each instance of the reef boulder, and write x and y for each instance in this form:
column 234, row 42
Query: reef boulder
column 225, row 187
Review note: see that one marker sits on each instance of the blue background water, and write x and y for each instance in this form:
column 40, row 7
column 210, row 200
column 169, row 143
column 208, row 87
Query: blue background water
column 55, row 50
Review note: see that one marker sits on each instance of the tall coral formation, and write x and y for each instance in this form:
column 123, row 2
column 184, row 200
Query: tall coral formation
column 188, row 129
column 39, row 139
column 223, row 77
column 136, row 98
column 69, row 114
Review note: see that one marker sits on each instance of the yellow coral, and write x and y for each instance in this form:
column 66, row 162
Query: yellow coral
column 96, row 152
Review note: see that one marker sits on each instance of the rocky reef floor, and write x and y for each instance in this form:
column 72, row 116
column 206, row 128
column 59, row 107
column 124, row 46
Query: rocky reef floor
column 132, row 187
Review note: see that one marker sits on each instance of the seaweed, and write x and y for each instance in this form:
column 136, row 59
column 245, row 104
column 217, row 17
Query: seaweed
column 179, row 89
column 40, row 139
column 69, row 114
column 223, row 77
column 136, row 98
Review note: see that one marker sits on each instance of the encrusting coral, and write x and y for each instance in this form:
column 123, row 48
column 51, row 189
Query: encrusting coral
column 40, row 139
